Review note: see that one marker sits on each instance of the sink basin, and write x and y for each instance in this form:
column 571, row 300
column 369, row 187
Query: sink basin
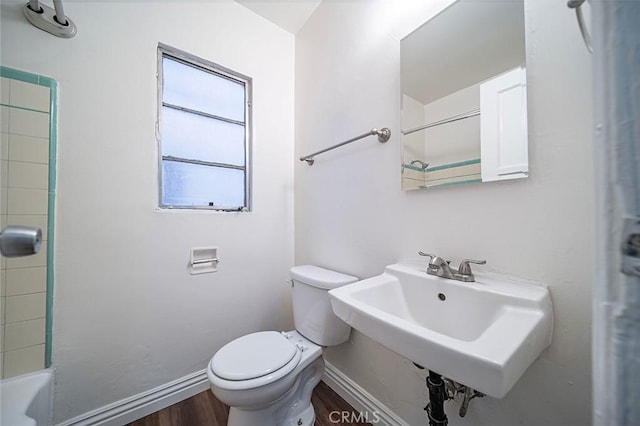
column 482, row 334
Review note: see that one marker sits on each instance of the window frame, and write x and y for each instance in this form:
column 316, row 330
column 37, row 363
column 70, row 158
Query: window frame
column 223, row 72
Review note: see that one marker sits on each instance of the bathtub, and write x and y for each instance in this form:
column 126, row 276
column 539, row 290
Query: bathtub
column 26, row 400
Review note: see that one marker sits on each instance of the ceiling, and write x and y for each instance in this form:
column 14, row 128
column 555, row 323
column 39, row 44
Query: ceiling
column 402, row 16
column 472, row 39
column 290, row 15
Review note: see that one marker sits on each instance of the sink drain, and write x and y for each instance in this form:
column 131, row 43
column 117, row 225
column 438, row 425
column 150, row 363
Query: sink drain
column 442, row 297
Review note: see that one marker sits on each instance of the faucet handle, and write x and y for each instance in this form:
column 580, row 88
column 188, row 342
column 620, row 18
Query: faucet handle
column 465, row 268
column 432, row 256
column 435, row 262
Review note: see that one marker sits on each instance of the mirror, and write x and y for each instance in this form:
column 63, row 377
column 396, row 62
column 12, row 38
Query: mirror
column 464, row 96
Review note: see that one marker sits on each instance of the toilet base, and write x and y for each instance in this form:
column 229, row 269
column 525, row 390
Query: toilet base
column 239, row 417
column 294, row 408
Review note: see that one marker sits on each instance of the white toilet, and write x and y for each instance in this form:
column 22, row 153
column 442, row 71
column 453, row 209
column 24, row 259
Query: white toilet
column 267, row 377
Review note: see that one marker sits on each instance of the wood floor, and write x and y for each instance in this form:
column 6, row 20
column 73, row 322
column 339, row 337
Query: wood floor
column 204, row 409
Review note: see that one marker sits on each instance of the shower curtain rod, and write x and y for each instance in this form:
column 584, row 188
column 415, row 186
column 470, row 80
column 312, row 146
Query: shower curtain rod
column 469, row 114
column 383, row 135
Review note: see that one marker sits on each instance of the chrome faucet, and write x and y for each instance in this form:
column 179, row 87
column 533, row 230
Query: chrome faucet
column 441, row 268
column 423, row 165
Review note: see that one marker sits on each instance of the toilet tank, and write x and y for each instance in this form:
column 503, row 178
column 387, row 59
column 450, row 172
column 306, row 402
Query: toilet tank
column 312, row 313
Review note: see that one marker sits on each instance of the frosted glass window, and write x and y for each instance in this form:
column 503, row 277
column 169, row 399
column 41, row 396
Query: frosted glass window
column 197, row 185
column 191, row 88
column 204, row 128
column 193, row 136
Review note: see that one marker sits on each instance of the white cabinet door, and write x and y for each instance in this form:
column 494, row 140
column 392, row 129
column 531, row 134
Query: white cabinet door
column 503, row 126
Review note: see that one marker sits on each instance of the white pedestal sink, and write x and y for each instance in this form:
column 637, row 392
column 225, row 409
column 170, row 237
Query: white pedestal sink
column 482, row 334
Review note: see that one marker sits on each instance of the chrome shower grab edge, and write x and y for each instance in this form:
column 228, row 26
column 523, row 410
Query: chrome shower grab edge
column 576, row 4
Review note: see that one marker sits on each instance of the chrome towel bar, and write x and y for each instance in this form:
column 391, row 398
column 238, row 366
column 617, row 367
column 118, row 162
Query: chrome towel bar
column 383, row 135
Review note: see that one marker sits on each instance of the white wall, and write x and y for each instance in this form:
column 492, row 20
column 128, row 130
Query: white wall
column 128, row 317
column 351, row 215
column 458, row 141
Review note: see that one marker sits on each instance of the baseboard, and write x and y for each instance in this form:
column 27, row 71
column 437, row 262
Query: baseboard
column 133, row 408
column 376, row 412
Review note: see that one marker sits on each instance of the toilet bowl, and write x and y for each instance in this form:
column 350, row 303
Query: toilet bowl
column 254, row 400
column 267, row 377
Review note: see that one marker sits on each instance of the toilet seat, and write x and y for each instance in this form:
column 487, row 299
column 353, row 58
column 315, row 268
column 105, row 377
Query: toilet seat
column 254, row 360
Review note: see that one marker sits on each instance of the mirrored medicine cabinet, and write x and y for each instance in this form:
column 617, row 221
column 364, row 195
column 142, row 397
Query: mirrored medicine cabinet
column 464, row 112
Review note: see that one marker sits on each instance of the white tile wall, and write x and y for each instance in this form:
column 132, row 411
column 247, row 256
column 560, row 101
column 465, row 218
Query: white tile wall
column 23, row 360
column 4, row 119
column 436, row 175
column 413, row 174
column 455, row 174
column 412, row 179
column 27, row 148
column 4, row 173
column 25, row 281
column 1, row 349
column 408, row 184
column 35, row 260
column 25, row 307
column 4, row 90
column 23, row 334
column 28, row 123
column 24, row 178
column 3, row 200
column 4, row 146
column 27, row 201
column 27, row 175
column 27, row 95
